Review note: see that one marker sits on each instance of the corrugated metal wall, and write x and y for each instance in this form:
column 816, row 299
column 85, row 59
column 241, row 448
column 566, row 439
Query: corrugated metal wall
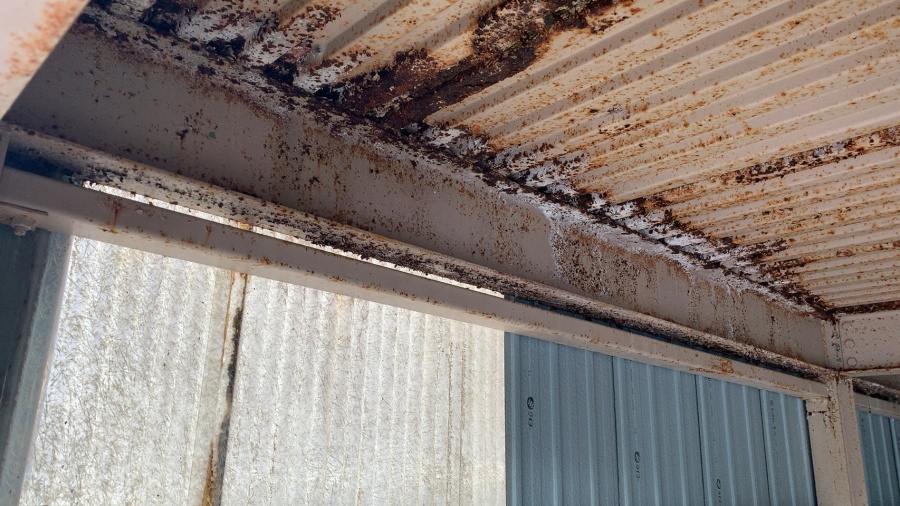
column 881, row 457
column 121, row 416
column 584, row 428
column 328, row 399
column 343, row 401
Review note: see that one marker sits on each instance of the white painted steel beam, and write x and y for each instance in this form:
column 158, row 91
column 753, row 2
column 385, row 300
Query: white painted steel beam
column 88, row 213
column 871, row 373
column 138, row 179
column 868, row 341
column 837, row 453
column 28, row 32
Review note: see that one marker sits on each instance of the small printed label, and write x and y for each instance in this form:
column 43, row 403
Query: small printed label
column 530, row 404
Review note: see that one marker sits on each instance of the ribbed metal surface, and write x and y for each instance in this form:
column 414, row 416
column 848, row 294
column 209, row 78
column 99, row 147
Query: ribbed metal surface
column 589, row 429
column 881, row 457
column 760, row 136
column 658, row 435
column 176, row 383
column 788, row 452
column 139, row 339
column 342, row 401
column 555, row 459
column 755, row 446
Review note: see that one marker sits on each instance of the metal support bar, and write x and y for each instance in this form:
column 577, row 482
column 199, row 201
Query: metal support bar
column 88, row 213
column 836, row 448
column 864, row 373
column 877, row 406
column 94, row 166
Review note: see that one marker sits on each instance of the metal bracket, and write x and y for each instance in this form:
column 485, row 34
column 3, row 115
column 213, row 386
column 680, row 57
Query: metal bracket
column 19, row 218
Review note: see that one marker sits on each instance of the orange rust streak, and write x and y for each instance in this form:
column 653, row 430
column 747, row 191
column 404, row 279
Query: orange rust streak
column 34, row 45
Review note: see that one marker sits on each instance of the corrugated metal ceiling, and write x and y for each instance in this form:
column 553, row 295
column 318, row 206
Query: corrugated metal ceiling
column 760, row 136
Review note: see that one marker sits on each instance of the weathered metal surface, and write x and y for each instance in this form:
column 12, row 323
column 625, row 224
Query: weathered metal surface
column 28, row 32
column 234, row 129
column 673, row 120
column 84, row 165
column 226, row 125
column 67, row 208
column 167, row 375
column 868, row 341
column 834, row 437
column 588, row 429
column 344, row 401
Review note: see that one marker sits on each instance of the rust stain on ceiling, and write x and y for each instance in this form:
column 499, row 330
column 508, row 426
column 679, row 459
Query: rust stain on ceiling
column 759, row 137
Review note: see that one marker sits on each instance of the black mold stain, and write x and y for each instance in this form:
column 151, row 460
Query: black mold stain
column 164, row 16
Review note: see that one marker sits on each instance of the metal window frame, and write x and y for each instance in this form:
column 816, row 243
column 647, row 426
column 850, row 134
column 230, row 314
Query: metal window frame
column 62, row 207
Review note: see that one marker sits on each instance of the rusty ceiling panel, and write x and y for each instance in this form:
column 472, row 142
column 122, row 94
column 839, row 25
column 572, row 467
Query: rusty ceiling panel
column 762, row 137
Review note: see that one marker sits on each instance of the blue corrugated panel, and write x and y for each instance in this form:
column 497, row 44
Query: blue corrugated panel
column 878, row 437
column 658, row 434
column 731, row 428
column 788, row 455
column 583, row 428
column 561, row 446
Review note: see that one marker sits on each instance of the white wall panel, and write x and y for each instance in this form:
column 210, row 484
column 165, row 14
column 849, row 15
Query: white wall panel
column 343, row 401
column 140, row 340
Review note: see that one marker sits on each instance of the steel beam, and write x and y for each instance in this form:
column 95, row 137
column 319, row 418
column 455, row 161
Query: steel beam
column 837, row 453
column 129, row 94
column 93, row 166
column 869, row 345
column 89, row 213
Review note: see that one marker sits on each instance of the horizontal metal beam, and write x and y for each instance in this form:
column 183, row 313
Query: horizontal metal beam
column 89, row 213
column 164, row 106
column 877, row 406
column 868, row 344
column 86, row 165
column 875, row 371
